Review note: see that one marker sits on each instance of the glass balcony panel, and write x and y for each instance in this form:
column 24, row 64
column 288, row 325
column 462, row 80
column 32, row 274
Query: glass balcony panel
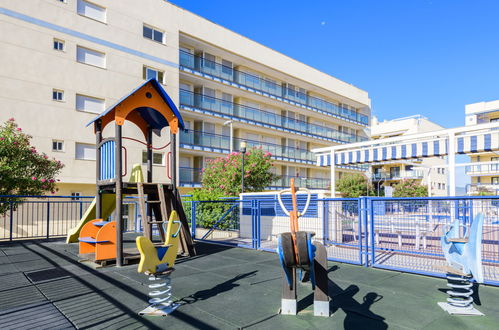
column 249, row 80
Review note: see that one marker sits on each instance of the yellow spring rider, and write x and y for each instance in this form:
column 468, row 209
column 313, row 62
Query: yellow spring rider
column 158, row 262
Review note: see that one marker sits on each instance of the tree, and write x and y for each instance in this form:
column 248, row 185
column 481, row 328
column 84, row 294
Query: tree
column 222, row 175
column 354, row 185
column 23, row 170
column 410, row 188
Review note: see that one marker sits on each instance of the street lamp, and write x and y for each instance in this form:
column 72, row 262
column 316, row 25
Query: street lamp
column 231, row 145
column 242, row 148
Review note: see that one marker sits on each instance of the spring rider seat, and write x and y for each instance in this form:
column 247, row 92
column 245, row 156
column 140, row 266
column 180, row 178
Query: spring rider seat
column 158, row 262
column 464, row 260
column 297, row 251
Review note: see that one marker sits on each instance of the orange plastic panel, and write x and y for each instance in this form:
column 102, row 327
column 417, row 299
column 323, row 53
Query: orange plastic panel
column 106, row 250
column 89, row 230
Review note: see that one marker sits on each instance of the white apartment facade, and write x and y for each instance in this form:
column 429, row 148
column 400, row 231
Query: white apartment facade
column 65, row 61
column 431, row 171
column 484, row 170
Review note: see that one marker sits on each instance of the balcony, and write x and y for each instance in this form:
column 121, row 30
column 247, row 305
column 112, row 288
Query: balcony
column 260, row 85
column 482, row 169
column 411, row 174
column 311, row 183
column 244, row 113
column 482, row 189
column 190, row 177
column 196, row 140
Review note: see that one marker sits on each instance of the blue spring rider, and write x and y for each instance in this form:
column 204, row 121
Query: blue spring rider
column 297, row 251
column 464, row 259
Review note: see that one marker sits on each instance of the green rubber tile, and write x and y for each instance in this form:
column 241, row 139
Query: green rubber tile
column 460, row 322
column 212, row 263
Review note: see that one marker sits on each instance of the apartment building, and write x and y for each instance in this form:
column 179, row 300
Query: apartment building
column 64, row 61
column 485, row 173
column 428, row 171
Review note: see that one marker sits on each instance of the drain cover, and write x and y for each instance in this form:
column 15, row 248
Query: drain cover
column 47, row 274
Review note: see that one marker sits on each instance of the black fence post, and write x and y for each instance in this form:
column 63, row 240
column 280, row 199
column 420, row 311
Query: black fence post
column 48, row 219
column 11, row 216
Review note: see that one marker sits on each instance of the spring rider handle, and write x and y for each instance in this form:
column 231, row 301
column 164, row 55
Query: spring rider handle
column 293, row 190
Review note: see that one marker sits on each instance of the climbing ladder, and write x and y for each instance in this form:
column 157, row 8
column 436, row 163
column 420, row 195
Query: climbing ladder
column 159, row 200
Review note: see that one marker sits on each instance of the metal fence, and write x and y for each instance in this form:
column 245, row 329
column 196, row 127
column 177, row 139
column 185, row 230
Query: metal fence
column 30, row 217
column 400, row 234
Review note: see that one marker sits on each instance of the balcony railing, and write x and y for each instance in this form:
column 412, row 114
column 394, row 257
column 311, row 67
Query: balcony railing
column 411, row 174
column 480, row 169
column 190, row 176
column 311, row 183
column 267, row 86
column 219, row 106
column 221, row 143
column 482, row 189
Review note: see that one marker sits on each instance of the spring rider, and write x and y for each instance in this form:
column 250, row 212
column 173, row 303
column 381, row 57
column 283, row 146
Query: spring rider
column 464, row 260
column 158, row 262
column 297, row 251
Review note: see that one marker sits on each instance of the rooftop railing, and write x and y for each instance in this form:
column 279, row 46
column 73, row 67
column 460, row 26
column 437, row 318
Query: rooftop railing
column 223, row 107
column 218, row 70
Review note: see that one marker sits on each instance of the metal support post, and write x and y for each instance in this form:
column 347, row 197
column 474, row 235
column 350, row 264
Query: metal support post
column 119, row 197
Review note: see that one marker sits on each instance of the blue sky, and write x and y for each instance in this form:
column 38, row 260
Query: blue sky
column 412, row 56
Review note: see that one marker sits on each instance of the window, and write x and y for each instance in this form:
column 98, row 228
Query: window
column 85, row 151
column 153, row 34
column 89, row 104
column 75, row 196
column 59, row 44
column 91, row 10
column 90, row 57
column 57, row 145
column 58, row 95
column 149, row 73
column 63, row 1
column 495, row 180
column 443, row 170
column 157, row 158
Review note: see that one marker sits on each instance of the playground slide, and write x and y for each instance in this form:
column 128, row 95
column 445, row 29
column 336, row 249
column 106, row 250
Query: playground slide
column 108, row 206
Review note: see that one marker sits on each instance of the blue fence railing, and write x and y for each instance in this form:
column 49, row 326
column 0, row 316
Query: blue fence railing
column 393, row 233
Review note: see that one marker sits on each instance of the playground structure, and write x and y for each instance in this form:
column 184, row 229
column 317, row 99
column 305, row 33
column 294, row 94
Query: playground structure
column 297, row 251
column 151, row 109
column 463, row 254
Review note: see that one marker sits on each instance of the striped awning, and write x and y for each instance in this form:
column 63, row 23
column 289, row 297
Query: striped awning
column 431, row 148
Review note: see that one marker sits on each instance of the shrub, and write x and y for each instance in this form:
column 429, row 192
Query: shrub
column 354, row 185
column 222, row 176
column 410, row 188
column 207, row 214
column 23, row 170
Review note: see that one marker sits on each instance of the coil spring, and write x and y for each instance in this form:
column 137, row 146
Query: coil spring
column 461, row 292
column 161, row 290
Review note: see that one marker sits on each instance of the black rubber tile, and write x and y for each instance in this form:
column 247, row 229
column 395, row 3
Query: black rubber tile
column 8, row 269
column 20, row 296
column 47, row 275
column 34, row 316
column 28, row 266
column 13, row 281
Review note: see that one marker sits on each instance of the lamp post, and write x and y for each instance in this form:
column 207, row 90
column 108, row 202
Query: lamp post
column 243, row 151
column 231, row 143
